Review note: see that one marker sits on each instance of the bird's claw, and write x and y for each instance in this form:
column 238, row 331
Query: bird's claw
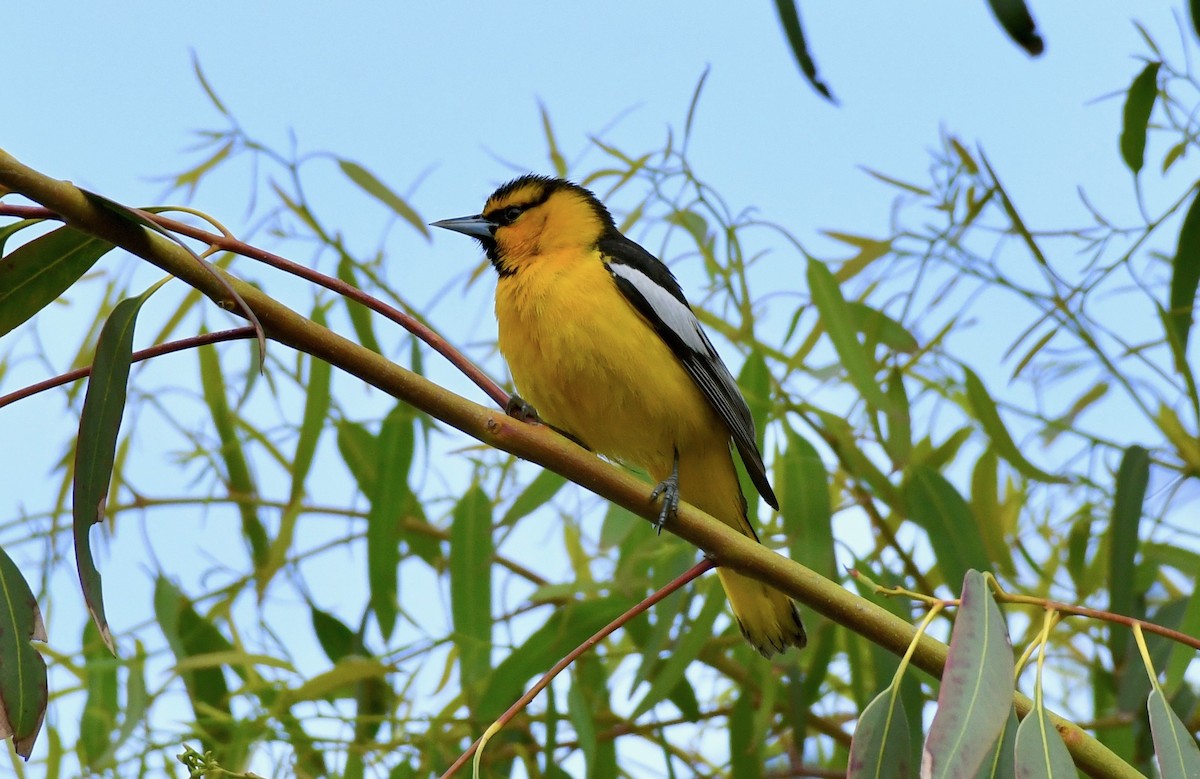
column 668, row 489
column 518, row 408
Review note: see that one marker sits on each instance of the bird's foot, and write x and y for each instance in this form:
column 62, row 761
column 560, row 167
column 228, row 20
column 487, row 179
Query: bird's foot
column 668, row 490
column 518, row 408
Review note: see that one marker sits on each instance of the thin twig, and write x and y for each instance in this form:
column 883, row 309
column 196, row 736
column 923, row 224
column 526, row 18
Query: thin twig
column 692, row 573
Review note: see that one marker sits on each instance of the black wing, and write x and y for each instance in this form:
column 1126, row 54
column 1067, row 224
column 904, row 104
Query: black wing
column 652, row 289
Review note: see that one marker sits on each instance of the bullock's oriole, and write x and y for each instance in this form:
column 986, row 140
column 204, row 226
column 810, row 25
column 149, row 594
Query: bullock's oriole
column 602, row 343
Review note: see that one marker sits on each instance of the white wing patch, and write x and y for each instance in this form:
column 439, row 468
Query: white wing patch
column 675, row 315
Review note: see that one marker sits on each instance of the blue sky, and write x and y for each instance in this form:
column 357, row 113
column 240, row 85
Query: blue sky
column 448, row 94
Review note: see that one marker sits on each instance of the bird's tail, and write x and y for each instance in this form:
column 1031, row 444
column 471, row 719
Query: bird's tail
column 767, row 617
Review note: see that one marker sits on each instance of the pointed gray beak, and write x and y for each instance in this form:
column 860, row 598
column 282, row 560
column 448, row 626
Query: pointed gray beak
column 475, row 226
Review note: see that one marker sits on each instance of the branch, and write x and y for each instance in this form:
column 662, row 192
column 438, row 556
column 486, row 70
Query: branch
column 531, row 442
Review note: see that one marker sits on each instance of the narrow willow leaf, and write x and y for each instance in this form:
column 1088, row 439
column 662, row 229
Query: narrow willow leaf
column 1016, row 20
column 878, row 327
column 239, row 481
column 802, row 482
column 1132, row 479
column 1185, row 276
column 189, row 635
column 789, row 17
column 869, row 250
column 359, row 449
column 840, row 325
column 471, row 552
column 745, row 751
column 380, row 191
column 977, row 686
column 898, row 441
column 360, row 315
column 35, row 274
column 536, row 494
column 985, row 508
column 98, row 720
column 556, row 158
column 1139, row 103
column 337, row 682
column 1040, row 751
column 584, row 722
column 934, row 504
column 1174, row 748
column 565, row 629
column 692, row 639
column 880, row 748
column 388, row 501
column 316, row 409
column 95, row 451
column 983, row 408
column 23, row 690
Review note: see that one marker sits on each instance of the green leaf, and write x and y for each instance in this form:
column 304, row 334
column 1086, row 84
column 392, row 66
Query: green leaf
column 360, row 315
column 1040, row 751
column 934, row 505
column 556, row 158
column 1000, row 763
column 1185, row 276
column 23, row 690
column 802, row 481
column 190, row 635
column 95, row 450
column 746, row 756
column 388, row 503
column 986, row 509
column 878, row 327
column 316, row 409
column 471, row 552
column 1139, row 103
column 983, row 408
column 566, row 628
column 238, row 479
column 380, row 191
column 36, row 274
column 839, row 322
column 536, row 494
column 1132, row 479
column 1016, row 20
column 337, row 682
column 98, row 721
column 977, row 687
column 359, row 449
column 582, row 719
column 1174, row 748
column 333, row 635
column 789, row 17
column 881, row 745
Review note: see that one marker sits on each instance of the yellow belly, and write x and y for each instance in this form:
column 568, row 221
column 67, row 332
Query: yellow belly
column 591, row 365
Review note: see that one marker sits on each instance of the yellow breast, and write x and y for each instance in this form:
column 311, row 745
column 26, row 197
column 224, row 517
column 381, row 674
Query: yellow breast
column 591, row 364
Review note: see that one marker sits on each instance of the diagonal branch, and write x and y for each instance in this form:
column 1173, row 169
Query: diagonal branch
column 535, row 443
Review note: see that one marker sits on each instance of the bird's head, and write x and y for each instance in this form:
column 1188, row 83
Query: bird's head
column 533, row 216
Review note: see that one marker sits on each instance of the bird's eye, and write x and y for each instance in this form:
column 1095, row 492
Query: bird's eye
column 510, row 214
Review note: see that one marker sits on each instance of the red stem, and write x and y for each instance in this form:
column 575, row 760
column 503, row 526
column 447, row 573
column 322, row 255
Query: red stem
column 144, row 354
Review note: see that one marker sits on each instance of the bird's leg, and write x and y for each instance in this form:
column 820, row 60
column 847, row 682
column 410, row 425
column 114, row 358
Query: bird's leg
column 668, row 488
column 518, row 408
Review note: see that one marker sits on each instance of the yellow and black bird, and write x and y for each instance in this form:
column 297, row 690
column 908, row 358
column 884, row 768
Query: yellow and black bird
column 602, row 343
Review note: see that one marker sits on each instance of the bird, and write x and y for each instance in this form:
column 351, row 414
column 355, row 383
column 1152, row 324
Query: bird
column 603, row 346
